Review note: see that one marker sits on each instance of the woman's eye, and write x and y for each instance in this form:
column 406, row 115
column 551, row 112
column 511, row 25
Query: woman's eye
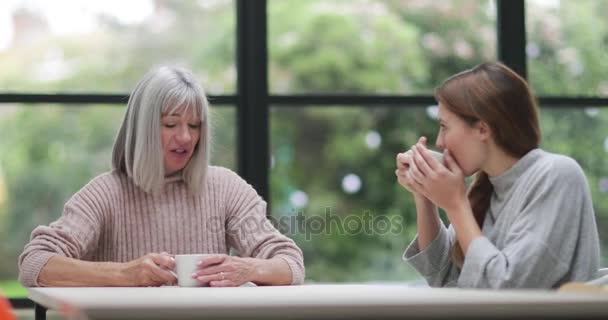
column 169, row 125
column 194, row 126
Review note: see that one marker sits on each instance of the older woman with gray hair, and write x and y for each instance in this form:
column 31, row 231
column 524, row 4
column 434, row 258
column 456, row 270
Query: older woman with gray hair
column 160, row 199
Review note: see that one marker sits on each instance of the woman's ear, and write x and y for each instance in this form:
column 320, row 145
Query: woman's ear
column 484, row 130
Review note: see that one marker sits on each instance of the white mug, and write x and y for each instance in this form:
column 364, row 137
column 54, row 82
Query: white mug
column 437, row 155
column 185, row 266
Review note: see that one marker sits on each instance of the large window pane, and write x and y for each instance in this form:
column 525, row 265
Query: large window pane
column 375, row 46
column 335, row 165
column 105, row 46
column 223, row 136
column 566, row 47
column 48, row 152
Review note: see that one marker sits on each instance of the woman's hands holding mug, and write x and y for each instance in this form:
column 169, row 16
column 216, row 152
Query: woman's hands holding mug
column 424, row 173
column 221, row 270
column 441, row 184
column 152, row 269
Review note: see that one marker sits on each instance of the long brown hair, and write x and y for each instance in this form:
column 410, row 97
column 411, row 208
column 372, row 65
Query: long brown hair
column 496, row 95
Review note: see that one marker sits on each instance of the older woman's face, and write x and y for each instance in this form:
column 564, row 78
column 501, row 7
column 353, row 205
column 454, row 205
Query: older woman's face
column 180, row 133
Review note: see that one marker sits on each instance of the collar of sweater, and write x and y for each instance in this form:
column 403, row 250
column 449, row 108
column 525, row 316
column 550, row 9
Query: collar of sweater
column 174, row 177
column 504, row 182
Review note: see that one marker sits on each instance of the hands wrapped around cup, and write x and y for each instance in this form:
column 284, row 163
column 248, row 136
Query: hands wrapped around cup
column 405, row 161
column 441, row 184
column 402, row 172
column 152, row 269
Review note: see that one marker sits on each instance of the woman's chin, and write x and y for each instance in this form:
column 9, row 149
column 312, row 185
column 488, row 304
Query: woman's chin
column 172, row 171
column 468, row 173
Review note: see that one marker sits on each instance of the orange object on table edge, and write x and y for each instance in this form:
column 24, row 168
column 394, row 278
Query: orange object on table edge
column 6, row 311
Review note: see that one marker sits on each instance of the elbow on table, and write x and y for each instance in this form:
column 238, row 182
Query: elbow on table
column 26, row 279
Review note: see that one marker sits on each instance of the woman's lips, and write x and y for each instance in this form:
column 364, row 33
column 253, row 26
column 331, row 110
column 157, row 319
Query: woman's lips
column 180, row 153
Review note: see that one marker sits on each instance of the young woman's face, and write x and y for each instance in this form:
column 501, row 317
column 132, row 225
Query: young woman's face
column 180, row 133
column 463, row 141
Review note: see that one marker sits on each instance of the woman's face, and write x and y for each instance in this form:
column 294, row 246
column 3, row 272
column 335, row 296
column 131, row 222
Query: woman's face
column 180, row 133
column 463, row 141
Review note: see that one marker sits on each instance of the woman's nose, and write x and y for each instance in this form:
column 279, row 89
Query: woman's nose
column 184, row 135
column 439, row 142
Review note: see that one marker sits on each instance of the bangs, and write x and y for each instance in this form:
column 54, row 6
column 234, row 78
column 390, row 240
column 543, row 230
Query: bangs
column 184, row 98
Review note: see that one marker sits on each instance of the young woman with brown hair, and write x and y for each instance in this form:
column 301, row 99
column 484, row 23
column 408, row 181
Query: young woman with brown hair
column 527, row 220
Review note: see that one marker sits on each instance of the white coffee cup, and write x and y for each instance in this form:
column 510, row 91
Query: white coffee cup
column 437, row 155
column 185, row 266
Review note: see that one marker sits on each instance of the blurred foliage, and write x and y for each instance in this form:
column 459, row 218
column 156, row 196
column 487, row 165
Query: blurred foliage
column 47, row 152
column 567, row 47
column 12, row 289
column 114, row 56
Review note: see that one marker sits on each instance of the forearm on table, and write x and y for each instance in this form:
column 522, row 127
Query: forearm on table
column 61, row 271
column 274, row 271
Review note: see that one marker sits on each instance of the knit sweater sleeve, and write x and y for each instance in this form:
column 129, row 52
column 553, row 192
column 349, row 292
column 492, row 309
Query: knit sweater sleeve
column 542, row 241
column 73, row 235
column 249, row 231
column 434, row 262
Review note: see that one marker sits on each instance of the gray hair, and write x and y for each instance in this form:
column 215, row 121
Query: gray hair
column 138, row 151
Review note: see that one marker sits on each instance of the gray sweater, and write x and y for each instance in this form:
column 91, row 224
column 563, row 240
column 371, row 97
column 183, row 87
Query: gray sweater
column 539, row 232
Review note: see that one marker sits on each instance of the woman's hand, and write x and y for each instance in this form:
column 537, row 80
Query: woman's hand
column 402, row 172
column 404, row 162
column 153, row 269
column 442, row 185
column 220, row 270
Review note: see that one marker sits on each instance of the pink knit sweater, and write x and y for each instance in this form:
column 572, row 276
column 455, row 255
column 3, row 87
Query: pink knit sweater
column 111, row 219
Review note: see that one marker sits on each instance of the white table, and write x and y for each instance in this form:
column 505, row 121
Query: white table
column 317, row 302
